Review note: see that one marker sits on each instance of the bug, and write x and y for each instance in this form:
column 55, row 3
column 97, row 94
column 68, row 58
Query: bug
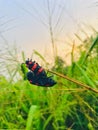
column 37, row 75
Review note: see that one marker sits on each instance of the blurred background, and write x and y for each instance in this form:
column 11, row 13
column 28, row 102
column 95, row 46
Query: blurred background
column 30, row 25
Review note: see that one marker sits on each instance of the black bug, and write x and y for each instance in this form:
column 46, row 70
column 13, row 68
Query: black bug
column 37, row 75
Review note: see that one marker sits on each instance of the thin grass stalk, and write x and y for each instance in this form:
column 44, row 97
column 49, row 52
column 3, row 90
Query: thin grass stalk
column 51, row 30
column 72, row 53
column 74, row 81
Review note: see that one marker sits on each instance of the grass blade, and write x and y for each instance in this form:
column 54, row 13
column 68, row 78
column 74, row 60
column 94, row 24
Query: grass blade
column 86, row 76
column 30, row 116
column 95, row 42
column 40, row 56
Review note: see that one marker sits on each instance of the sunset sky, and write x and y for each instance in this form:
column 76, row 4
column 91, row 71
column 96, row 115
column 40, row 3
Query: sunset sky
column 26, row 22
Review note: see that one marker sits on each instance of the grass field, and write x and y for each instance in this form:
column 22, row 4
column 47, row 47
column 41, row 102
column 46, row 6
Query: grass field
column 66, row 106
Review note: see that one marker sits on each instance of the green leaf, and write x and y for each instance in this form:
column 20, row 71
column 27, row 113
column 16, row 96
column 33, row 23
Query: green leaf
column 24, row 69
column 31, row 116
column 90, row 127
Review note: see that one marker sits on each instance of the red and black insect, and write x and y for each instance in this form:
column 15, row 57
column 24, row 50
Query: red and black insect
column 37, row 75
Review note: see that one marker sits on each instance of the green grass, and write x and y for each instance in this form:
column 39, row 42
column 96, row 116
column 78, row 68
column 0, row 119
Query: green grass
column 66, row 106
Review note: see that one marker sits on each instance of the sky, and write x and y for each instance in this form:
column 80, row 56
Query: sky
column 26, row 23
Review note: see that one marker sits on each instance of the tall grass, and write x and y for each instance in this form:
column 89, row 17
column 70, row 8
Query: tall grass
column 66, row 106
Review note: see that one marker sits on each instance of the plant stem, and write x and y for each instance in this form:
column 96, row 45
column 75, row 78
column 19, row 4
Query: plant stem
column 74, row 81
